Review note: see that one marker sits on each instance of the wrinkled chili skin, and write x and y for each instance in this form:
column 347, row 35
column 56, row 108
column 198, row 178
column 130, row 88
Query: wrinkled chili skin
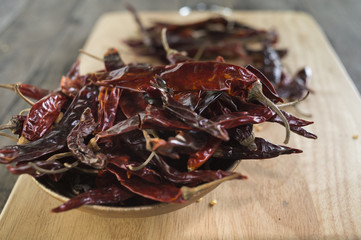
column 42, row 115
column 108, row 106
column 55, row 139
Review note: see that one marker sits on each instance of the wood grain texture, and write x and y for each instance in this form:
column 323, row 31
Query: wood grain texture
column 313, row 195
column 39, row 40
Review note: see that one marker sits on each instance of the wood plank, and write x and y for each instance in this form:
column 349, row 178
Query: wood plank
column 315, row 194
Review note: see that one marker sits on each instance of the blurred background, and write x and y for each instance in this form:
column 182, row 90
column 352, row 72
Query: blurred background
column 39, row 39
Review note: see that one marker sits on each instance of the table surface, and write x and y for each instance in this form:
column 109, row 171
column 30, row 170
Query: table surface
column 39, row 40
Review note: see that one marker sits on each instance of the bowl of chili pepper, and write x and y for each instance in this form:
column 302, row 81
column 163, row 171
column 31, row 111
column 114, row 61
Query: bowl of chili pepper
column 136, row 140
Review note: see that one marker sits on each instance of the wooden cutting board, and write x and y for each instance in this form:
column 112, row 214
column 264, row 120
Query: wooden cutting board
column 316, row 194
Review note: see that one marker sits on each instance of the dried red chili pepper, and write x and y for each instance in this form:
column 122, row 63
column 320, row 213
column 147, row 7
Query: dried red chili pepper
column 131, row 103
column 55, row 139
column 200, row 157
column 160, row 192
column 98, row 196
column 32, row 91
column 210, row 37
column 112, row 60
column 76, row 142
column 42, row 115
column 108, row 106
column 264, row 150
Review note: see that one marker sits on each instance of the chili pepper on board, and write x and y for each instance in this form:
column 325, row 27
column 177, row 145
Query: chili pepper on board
column 211, row 37
column 214, row 36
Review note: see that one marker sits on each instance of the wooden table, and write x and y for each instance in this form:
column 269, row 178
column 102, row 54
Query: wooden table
column 315, row 194
column 39, row 39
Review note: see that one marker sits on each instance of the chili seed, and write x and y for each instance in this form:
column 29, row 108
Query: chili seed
column 213, row 202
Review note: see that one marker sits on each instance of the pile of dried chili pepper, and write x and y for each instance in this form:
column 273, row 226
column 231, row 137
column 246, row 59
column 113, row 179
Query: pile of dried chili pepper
column 136, row 134
column 217, row 36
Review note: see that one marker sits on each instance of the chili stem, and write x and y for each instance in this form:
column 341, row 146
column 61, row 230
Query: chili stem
column 8, row 136
column 7, row 86
column 143, row 164
column 17, row 91
column 165, row 44
column 249, row 142
column 293, row 103
column 147, row 140
column 24, row 110
column 47, row 171
column 7, row 126
column 146, row 38
column 15, row 88
column 90, row 55
column 188, row 192
column 59, row 156
column 255, row 93
column 200, row 52
column 298, row 110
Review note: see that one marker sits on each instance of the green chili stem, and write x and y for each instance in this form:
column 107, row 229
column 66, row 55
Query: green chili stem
column 255, row 93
